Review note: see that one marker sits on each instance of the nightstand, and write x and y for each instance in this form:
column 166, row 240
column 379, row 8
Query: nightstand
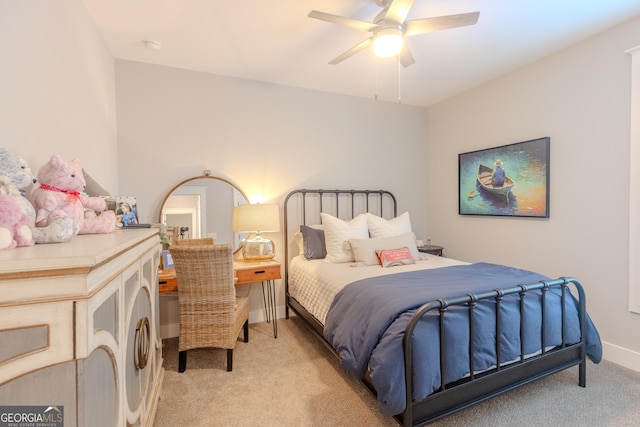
column 261, row 271
column 431, row 249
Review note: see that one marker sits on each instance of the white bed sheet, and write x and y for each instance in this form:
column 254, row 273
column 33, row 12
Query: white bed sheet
column 314, row 283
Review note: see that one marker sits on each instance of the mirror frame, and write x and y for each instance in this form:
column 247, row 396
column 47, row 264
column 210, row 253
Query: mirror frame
column 206, row 175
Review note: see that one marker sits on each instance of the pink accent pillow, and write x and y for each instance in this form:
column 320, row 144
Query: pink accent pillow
column 393, row 257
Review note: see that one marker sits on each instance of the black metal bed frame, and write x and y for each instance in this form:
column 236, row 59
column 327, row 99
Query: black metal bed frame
column 477, row 387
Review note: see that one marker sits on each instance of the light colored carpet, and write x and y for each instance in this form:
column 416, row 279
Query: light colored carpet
column 295, row 381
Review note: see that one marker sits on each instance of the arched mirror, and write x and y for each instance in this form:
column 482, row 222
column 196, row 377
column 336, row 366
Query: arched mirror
column 202, row 207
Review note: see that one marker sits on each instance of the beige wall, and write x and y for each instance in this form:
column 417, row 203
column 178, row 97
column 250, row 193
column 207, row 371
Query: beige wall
column 268, row 139
column 57, row 87
column 580, row 98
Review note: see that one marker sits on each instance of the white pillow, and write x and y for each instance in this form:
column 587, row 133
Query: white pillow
column 364, row 250
column 380, row 227
column 337, row 232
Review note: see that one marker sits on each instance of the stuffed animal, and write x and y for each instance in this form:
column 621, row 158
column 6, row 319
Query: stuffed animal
column 15, row 229
column 61, row 190
column 15, row 178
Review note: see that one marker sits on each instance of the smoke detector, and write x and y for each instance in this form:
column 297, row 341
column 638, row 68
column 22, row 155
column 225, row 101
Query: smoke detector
column 151, row 44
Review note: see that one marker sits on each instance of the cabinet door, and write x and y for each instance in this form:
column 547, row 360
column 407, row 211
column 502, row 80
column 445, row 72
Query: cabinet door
column 98, row 394
column 36, row 357
column 51, row 386
column 138, row 350
column 97, row 389
column 139, row 343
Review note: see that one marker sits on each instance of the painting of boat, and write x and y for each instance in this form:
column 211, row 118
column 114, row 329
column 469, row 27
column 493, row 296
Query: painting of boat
column 486, row 183
column 525, row 191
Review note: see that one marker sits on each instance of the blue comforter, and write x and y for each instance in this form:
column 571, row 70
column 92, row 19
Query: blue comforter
column 367, row 320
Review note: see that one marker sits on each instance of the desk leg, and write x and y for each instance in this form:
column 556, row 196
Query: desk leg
column 269, row 301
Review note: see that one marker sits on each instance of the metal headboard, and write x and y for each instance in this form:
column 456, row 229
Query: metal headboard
column 304, row 206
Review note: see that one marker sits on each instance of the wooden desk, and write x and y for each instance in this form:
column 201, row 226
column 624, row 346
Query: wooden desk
column 246, row 272
column 167, row 281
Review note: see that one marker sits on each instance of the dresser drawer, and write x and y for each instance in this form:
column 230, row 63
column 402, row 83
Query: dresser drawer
column 257, row 274
column 167, row 281
column 169, row 285
column 34, row 336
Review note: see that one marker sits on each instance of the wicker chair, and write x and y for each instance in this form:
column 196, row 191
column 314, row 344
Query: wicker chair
column 194, row 242
column 211, row 315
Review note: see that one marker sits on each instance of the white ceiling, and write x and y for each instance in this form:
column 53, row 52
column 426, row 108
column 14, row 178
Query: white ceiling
column 275, row 41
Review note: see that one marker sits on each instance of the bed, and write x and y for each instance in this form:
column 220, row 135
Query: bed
column 428, row 335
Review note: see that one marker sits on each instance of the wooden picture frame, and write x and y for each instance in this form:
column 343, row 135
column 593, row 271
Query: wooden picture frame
column 521, row 189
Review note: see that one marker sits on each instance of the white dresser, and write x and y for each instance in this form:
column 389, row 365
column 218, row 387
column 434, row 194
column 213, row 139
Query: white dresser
column 79, row 328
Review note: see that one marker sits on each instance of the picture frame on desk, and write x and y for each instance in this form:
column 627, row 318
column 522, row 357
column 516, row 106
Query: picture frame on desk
column 126, row 210
column 167, row 261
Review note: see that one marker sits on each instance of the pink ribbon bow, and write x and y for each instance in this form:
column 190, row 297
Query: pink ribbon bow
column 74, row 195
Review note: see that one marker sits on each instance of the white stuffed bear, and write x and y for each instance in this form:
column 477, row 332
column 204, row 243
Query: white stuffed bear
column 61, row 189
column 15, row 178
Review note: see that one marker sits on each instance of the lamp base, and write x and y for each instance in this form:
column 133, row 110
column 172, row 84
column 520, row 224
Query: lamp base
column 258, row 248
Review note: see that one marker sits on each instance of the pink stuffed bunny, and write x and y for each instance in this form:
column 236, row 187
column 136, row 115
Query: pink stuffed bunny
column 61, row 190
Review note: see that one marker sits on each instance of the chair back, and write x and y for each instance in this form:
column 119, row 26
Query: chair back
column 205, row 284
column 194, row 242
column 210, row 313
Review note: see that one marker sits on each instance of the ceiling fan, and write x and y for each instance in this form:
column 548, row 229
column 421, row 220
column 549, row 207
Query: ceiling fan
column 389, row 29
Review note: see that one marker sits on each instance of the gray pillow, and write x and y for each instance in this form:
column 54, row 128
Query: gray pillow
column 313, row 242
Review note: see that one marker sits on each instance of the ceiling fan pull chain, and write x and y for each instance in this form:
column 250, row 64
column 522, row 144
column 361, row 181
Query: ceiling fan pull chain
column 399, row 83
column 375, row 60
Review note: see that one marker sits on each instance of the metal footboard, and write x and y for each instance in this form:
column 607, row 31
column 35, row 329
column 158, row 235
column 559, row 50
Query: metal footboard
column 478, row 387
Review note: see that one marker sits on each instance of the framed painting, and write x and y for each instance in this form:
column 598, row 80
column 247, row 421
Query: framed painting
column 510, row 180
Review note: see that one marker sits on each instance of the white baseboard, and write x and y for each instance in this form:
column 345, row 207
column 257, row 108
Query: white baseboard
column 621, row 356
column 169, row 330
column 258, row 315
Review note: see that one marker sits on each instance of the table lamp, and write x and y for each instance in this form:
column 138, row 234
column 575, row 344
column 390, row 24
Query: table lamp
column 257, row 218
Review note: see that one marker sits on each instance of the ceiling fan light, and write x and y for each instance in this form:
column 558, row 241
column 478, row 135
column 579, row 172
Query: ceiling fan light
column 387, row 42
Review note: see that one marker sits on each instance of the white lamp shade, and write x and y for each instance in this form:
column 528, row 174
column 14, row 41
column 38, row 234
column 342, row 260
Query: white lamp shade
column 256, row 218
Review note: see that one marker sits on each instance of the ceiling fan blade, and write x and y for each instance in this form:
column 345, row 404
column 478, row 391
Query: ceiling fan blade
column 357, row 48
column 341, row 20
column 428, row 25
column 398, row 10
column 406, row 58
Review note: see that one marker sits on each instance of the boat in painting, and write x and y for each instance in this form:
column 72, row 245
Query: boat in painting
column 484, row 179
